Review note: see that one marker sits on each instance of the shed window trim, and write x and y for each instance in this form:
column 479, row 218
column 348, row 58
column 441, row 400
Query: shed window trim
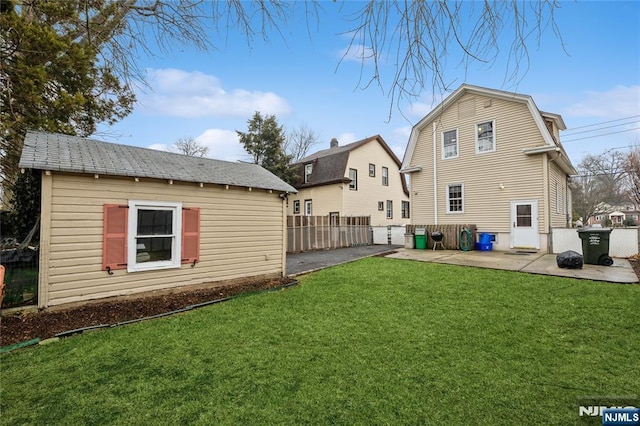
column 137, row 257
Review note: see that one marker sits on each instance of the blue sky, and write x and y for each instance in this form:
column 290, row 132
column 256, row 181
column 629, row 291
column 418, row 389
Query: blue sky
column 300, row 78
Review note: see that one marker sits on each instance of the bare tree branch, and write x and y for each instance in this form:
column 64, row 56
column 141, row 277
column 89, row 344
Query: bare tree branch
column 189, row 146
column 299, row 141
column 420, row 37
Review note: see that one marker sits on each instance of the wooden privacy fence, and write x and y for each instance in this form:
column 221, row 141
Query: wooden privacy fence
column 305, row 233
column 451, row 233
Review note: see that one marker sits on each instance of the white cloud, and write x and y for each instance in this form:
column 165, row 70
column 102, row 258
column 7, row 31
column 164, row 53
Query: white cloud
column 356, row 53
column 419, row 109
column 159, row 147
column 222, row 144
column 179, row 93
column 399, row 139
column 619, row 102
column 345, row 138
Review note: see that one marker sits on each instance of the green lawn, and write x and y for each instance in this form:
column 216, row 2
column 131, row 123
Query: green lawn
column 377, row 341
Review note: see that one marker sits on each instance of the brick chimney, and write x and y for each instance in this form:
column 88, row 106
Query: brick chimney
column 333, row 143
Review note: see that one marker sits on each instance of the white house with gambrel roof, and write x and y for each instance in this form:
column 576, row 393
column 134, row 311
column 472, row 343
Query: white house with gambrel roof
column 491, row 158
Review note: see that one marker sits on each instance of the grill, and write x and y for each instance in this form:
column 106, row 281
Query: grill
column 437, row 237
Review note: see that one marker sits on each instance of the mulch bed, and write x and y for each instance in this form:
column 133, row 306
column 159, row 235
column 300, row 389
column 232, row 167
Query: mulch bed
column 47, row 323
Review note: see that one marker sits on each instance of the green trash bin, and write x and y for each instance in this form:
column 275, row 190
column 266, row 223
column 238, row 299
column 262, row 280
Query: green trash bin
column 595, row 246
column 421, row 238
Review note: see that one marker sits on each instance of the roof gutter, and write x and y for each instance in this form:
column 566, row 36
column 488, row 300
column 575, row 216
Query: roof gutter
column 411, row 169
column 540, row 150
column 563, row 162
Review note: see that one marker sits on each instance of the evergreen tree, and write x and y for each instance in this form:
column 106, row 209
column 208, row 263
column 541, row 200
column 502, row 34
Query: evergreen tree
column 53, row 80
column 264, row 142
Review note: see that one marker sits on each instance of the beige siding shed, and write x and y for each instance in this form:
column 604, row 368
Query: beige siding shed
column 242, row 228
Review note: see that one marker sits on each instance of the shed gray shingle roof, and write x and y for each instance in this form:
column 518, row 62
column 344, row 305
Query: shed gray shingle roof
column 63, row 153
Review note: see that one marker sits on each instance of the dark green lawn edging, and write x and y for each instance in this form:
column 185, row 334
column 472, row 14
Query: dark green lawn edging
column 377, row 341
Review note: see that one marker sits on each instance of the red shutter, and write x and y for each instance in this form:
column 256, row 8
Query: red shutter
column 114, row 237
column 190, row 235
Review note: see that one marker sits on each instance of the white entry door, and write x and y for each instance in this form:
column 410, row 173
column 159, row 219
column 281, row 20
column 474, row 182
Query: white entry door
column 524, row 224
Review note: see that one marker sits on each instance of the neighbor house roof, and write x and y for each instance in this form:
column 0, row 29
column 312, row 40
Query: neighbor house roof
column 73, row 154
column 538, row 116
column 330, row 165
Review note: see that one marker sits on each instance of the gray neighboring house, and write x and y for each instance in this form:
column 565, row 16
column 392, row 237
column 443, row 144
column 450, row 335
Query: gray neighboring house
column 119, row 219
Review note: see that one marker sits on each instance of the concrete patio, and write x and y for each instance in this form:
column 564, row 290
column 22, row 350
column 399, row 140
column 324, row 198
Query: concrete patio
column 535, row 263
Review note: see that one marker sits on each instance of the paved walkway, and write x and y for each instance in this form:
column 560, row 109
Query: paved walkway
column 299, row 263
column 535, row 263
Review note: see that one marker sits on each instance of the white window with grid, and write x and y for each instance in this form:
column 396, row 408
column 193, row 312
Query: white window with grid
column 455, row 198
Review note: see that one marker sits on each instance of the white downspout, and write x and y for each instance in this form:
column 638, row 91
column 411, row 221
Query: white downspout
column 435, row 177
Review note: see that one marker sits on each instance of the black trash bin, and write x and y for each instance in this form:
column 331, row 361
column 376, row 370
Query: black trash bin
column 595, row 245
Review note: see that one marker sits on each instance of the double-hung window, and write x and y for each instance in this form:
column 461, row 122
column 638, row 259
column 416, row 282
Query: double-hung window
column 154, row 240
column 385, row 176
column 455, row 198
column 485, row 137
column 148, row 235
column 372, row 170
column 405, row 210
column 389, row 209
column 450, row 144
column 296, row 206
column 353, row 179
column 308, row 207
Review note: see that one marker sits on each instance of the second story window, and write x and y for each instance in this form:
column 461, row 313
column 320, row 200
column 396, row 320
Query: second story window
column 385, row 176
column 372, row 170
column 296, row 206
column 308, row 169
column 389, row 209
column 308, row 208
column 485, row 137
column 353, row 179
column 450, row 144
